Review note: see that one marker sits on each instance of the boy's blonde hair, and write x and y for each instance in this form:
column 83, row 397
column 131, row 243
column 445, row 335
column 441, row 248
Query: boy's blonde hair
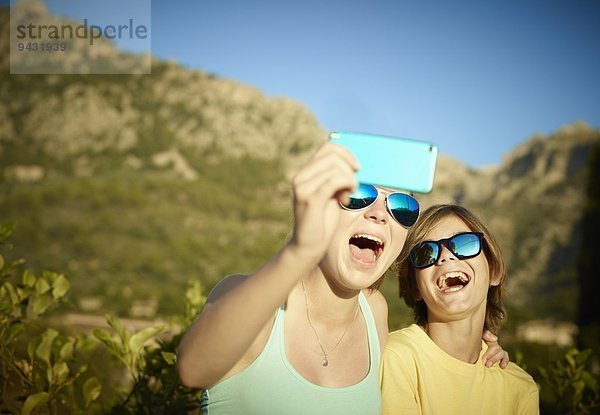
column 495, row 312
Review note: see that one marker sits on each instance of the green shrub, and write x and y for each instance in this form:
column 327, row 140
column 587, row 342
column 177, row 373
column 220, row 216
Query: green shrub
column 50, row 374
column 43, row 370
column 569, row 387
column 155, row 386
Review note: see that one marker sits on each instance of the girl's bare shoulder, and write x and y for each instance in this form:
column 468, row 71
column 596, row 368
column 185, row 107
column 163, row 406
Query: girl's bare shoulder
column 224, row 286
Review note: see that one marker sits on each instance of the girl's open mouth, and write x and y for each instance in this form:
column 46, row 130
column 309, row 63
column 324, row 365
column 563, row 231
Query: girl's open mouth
column 366, row 248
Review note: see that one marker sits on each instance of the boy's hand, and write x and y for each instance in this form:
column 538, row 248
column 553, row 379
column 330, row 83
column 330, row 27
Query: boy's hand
column 495, row 353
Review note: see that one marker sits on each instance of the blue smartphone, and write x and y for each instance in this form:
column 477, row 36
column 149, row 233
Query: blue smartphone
column 395, row 162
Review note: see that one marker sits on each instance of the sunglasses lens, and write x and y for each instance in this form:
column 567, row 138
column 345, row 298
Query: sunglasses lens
column 465, row 245
column 364, row 196
column 424, row 254
column 405, row 208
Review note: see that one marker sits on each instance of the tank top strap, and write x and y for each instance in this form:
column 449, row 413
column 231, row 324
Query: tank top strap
column 374, row 345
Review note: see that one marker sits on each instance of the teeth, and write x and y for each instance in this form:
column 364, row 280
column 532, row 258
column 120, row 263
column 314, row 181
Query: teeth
column 370, row 237
column 441, row 282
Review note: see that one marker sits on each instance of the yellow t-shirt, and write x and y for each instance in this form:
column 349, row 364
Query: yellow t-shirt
column 417, row 377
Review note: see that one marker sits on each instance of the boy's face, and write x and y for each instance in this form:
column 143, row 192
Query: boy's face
column 454, row 289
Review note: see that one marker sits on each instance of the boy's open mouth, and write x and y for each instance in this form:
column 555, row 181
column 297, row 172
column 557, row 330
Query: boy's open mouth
column 366, row 248
column 453, row 281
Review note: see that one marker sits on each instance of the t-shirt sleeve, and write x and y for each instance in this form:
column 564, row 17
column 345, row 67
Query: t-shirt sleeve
column 398, row 379
column 530, row 405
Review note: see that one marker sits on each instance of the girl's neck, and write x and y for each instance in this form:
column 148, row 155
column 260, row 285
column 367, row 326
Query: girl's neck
column 327, row 301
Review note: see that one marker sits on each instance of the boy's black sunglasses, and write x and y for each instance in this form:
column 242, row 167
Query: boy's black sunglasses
column 403, row 207
column 462, row 245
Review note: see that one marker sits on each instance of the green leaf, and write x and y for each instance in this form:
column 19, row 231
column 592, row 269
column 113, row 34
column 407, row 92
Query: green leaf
column 61, row 373
column 6, row 230
column 14, row 264
column 590, row 382
column 42, row 286
column 101, row 335
column 32, row 346
column 82, row 369
column 41, row 303
column 60, row 287
column 138, row 339
column 66, row 351
column 570, row 360
column 116, row 324
column 85, row 343
column 44, row 350
column 14, row 298
column 91, row 390
column 195, row 300
column 169, row 357
column 578, row 388
column 50, row 375
column 15, row 330
column 21, row 294
column 33, row 401
column 1, row 262
column 116, row 348
column 50, row 276
column 28, row 278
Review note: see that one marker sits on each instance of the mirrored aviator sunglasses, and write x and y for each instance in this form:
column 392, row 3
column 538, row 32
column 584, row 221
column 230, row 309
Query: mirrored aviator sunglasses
column 403, row 207
column 463, row 245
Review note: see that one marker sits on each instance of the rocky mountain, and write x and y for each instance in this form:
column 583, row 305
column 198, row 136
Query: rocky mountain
column 174, row 109
column 134, row 184
column 118, row 179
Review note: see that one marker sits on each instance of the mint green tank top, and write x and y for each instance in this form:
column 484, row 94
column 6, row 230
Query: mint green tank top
column 270, row 385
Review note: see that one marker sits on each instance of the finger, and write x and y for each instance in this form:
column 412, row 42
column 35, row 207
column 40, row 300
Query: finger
column 320, row 194
column 317, row 163
column 505, row 360
column 347, row 155
column 489, row 337
column 494, row 357
column 323, row 166
column 332, row 148
column 344, row 196
column 333, row 186
column 305, row 187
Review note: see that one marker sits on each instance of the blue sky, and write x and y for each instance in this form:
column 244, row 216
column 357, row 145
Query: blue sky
column 474, row 77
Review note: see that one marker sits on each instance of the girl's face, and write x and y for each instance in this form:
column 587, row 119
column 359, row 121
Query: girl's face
column 453, row 289
column 364, row 246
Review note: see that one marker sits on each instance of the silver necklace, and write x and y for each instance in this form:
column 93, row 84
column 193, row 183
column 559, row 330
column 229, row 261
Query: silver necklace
column 325, row 360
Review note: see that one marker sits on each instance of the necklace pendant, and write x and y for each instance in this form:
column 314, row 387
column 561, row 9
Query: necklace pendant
column 324, row 362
